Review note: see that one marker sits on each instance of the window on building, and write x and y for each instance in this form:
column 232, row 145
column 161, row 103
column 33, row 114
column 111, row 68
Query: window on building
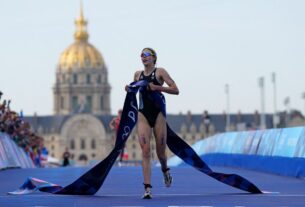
column 62, row 102
column 83, row 157
column 99, row 79
column 72, row 144
column 89, row 103
column 75, row 79
column 74, row 103
column 63, row 78
column 88, row 79
column 102, row 102
column 93, row 144
column 82, row 144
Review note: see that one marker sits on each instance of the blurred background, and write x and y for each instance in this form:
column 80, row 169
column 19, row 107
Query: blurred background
column 239, row 66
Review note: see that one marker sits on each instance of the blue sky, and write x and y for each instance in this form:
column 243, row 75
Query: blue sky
column 204, row 44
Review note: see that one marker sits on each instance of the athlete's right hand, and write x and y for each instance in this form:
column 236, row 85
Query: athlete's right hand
column 126, row 88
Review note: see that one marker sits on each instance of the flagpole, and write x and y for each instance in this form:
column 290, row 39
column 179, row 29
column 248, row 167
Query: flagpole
column 303, row 96
column 262, row 88
column 275, row 117
column 227, row 90
column 287, row 105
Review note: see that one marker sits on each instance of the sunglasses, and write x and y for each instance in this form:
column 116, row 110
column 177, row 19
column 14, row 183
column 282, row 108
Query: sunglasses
column 146, row 54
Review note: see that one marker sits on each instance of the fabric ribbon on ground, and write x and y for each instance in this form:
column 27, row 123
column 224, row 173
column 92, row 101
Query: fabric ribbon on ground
column 90, row 182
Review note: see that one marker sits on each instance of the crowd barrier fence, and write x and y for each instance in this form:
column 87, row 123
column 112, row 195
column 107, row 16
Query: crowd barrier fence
column 11, row 155
column 280, row 151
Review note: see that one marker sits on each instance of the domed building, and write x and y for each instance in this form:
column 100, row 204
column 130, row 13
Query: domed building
column 81, row 102
column 81, row 77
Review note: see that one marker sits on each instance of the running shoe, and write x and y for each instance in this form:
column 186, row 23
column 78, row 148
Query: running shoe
column 167, row 178
column 147, row 194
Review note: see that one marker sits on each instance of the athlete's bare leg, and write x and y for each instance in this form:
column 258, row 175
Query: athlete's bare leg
column 160, row 136
column 144, row 135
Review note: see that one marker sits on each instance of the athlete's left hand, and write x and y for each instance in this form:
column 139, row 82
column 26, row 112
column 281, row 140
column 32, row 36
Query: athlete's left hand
column 152, row 87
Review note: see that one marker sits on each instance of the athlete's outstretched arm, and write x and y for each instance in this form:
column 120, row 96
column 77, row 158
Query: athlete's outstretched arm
column 164, row 76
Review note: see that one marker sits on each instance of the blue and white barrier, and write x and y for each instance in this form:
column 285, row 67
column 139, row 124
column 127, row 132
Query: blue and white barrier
column 280, row 151
column 11, row 155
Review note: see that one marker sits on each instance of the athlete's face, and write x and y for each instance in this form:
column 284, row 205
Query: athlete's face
column 147, row 57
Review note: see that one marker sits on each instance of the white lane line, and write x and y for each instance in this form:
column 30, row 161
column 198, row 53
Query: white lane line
column 270, row 192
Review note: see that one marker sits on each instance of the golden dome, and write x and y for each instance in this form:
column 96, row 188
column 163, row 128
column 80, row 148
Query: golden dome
column 81, row 54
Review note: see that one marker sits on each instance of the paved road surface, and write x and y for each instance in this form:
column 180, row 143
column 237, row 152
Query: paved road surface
column 123, row 187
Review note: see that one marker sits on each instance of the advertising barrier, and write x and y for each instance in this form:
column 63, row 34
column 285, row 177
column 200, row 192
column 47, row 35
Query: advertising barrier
column 300, row 148
column 280, row 151
column 12, row 156
column 286, row 143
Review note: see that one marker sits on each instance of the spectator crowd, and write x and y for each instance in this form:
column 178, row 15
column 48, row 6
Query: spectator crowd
column 20, row 131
